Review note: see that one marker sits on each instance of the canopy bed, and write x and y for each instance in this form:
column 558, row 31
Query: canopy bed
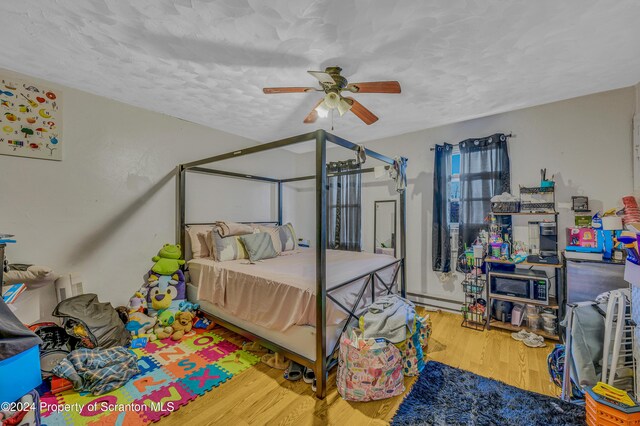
column 302, row 311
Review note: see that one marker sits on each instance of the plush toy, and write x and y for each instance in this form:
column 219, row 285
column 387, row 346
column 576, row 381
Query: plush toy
column 182, row 325
column 168, row 260
column 164, row 327
column 137, row 303
column 140, row 324
column 188, row 306
column 159, row 288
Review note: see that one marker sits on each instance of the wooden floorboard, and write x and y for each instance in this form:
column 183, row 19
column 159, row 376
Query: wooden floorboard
column 261, row 395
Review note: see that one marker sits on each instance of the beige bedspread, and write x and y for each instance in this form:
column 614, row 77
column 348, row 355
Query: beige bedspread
column 279, row 293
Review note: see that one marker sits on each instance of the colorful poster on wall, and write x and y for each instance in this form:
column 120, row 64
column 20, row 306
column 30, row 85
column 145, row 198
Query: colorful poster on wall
column 30, row 120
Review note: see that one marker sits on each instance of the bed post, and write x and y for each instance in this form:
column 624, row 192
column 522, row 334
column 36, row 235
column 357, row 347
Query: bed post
column 321, row 265
column 180, row 205
column 403, row 242
column 280, row 203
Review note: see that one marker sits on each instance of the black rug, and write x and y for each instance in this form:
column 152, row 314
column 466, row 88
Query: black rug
column 444, row 395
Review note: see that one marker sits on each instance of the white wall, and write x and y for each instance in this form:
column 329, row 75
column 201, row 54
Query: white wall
column 586, row 142
column 108, row 207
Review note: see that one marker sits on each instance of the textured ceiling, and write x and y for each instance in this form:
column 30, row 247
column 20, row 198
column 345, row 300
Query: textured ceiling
column 206, row 61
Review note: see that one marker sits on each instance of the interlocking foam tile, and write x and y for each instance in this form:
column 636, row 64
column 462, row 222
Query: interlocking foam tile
column 140, row 385
column 217, row 351
column 54, row 419
column 118, row 418
column 237, row 361
column 164, row 401
column 171, row 354
column 205, row 379
column 185, row 366
column 147, row 363
column 48, row 403
column 201, row 341
column 156, row 345
column 91, row 406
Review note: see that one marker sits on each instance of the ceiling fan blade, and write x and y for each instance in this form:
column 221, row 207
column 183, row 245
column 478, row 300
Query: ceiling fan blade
column 313, row 115
column 273, row 90
column 361, row 112
column 323, row 77
column 374, row 87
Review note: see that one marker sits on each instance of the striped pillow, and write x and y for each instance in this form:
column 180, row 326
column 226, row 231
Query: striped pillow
column 259, row 246
column 225, row 248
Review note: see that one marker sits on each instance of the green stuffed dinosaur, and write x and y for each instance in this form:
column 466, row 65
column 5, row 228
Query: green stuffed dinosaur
column 168, row 260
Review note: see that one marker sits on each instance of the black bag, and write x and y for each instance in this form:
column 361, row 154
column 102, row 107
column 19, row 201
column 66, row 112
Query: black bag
column 95, row 324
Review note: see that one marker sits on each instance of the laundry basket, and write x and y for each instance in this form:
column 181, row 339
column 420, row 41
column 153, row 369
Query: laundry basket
column 368, row 369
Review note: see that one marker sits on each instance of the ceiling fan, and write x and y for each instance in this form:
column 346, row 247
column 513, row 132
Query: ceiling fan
column 333, row 84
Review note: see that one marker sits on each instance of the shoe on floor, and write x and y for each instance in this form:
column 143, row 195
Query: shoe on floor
column 521, row 335
column 308, row 376
column 534, row 341
column 293, row 372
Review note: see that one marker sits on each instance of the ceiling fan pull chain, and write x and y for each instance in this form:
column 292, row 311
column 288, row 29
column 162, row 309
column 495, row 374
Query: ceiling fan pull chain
column 332, row 120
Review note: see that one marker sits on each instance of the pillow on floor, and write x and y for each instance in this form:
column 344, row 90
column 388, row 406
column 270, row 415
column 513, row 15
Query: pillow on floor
column 259, row 246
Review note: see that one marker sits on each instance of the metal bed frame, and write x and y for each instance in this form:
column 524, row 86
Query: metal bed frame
column 324, row 361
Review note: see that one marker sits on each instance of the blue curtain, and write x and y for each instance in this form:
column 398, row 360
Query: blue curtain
column 441, row 241
column 484, row 172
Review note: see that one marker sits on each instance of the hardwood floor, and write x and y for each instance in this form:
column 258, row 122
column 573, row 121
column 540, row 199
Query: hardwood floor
column 262, row 396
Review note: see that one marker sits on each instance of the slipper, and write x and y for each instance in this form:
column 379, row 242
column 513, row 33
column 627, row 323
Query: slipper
column 293, row 372
column 534, row 342
column 313, row 385
column 521, row 335
column 275, row 361
column 254, row 347
column 308, row 376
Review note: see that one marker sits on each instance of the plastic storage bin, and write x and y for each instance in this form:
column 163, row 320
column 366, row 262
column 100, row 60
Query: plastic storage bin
column 601, row 412
column 19, row 374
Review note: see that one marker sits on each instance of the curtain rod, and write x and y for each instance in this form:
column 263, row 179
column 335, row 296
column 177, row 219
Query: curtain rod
column 510, row 135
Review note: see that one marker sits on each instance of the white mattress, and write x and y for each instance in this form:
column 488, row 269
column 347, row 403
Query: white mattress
column 300, row 339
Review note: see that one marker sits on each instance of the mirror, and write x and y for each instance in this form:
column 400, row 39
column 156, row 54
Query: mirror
column 384, row 227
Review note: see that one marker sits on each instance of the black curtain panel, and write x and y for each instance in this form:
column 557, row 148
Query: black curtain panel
column 484, row 172
column 441, row 241
column 344, row 230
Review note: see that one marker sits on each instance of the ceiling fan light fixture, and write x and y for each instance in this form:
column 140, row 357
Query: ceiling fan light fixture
column 332, row 100
column 322, row 110
column 343, row 106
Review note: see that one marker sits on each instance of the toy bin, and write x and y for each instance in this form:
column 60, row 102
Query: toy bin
column 602, row 412
column 19, row 374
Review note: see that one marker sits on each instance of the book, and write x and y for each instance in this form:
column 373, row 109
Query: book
column 12, row 292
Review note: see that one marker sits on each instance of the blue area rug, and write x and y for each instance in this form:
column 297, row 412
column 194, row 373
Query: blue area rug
column 444, row 395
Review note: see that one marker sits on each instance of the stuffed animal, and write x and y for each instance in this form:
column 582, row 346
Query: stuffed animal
column 160, row 287
column 182, row 325
column 137, row 303
column 140, row 323
column 164, row 327
column 188, row 306
column 168, row 260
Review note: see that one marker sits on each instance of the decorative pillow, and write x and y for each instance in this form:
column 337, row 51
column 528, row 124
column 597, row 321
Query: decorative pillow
column 283, row 237
column 259, row 246
column 198, row 250
column 274, row 233
column 226, row 248
column 288, row 238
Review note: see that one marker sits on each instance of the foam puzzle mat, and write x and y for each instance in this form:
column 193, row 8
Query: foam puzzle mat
column 172, row 374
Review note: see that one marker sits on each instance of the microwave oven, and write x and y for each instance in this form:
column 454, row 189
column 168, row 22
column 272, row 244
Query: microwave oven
column 524, row 284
